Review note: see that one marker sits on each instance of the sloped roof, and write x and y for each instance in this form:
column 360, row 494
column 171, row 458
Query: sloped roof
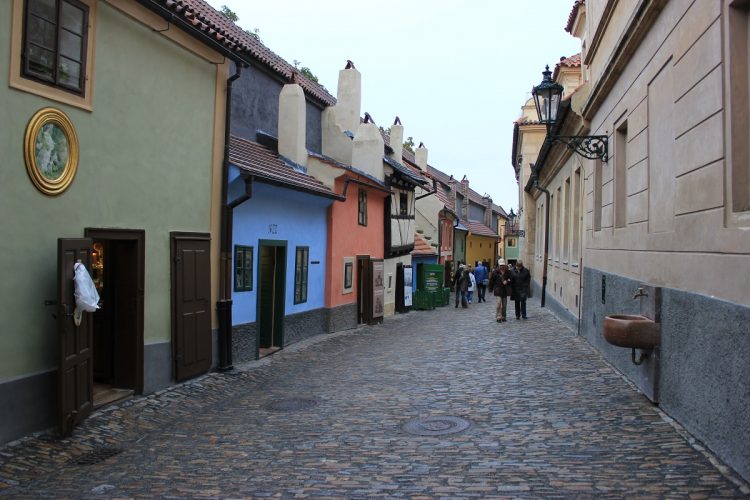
column 573, row 13
column 421, row 247
column 405, row 171
column 478, row 228
column 213, row 24
column 573, row 61
column 267, row 166
column 335, row 163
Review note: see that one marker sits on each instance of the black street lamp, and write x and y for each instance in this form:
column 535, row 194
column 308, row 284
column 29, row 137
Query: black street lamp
column 512, row 220
column 547, row 98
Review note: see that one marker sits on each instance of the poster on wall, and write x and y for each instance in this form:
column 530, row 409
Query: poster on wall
column 408, row 277
column 378, row 288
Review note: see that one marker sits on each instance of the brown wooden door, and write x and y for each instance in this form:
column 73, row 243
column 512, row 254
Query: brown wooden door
column 364, row 289
column 191, row 304
column 76, row 375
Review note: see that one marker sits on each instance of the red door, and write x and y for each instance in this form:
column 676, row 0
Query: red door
column 76, row 374
column 191, row 304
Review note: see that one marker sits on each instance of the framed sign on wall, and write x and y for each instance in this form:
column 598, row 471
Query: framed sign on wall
column 51, row 151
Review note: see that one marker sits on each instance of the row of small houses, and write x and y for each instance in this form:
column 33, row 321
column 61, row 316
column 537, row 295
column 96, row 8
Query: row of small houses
column 225, row 205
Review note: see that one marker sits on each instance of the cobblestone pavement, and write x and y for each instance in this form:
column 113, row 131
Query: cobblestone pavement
column 326, row 417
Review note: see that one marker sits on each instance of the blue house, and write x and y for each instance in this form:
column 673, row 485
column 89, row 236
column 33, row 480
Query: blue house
column 279, row 249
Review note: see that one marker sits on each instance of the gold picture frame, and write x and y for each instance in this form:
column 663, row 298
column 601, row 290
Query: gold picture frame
column 50, row 149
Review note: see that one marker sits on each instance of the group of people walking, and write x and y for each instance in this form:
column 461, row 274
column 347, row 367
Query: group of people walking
column 503, row 282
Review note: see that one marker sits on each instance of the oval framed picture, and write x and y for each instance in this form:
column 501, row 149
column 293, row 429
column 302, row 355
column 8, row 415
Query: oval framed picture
column 51, row 151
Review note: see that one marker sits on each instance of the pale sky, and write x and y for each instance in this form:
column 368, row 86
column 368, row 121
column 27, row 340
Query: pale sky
column 455, row 72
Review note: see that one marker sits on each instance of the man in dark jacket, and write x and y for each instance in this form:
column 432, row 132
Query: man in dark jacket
column 456, row 280
column 501, row 286
column 520, row 279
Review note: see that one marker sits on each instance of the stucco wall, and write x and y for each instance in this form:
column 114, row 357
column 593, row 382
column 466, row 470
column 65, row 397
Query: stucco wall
column 297, row 218
column 349, row 239
column 151, row 130
column 255, row 106
column 670, row 93
column 480, row 248
column 704, row 380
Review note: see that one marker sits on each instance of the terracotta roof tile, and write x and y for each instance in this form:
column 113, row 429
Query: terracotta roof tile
column 573, row 61
column 213, row 24
column 421, row 247
column 573, row 13
column 269, row 167
column 479, row 229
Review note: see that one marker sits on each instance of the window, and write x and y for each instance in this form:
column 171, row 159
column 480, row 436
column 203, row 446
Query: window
column 597, row 195
column 511, row 242
column 300, row 275
column 54, row 43
column 348, row 274
column 738, row 108
column 403, row 204
column 243, row 268
column 621, row 169
column 362, row 208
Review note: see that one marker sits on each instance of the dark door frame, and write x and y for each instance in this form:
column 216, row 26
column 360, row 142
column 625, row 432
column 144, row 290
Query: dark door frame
column 364, row 290
column 279, row 297
column 139, row 237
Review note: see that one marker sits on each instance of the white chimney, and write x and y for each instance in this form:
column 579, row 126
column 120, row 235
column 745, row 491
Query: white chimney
column 397, row 140
column 367, row 154
column 349, row 98
column 420, row 156
column 292, row 121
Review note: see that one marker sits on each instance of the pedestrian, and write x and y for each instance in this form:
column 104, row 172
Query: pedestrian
column 463, row 286
column 500, row 285
column 472, row 284
column 482, row 277
column 520, row 279
column 455, row 281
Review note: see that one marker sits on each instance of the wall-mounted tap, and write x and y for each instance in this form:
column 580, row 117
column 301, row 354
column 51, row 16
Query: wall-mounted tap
column 640, row 293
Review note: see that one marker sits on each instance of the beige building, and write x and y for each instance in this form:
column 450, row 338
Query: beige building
column 668, row 211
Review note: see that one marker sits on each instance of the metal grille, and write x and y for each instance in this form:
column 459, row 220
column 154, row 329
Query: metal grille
column 436, row 426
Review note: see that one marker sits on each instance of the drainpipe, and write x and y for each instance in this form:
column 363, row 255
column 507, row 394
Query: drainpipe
column 546, row 230
column 224, row 304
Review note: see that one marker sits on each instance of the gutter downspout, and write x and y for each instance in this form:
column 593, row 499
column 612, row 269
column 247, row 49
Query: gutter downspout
column 224, row 304
column 546, row 230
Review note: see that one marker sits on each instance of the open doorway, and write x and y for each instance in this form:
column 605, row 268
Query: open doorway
column 117, row 268
column 271, row 294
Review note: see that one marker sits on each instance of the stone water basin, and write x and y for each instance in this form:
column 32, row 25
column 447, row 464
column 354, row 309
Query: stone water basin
column 631, row 330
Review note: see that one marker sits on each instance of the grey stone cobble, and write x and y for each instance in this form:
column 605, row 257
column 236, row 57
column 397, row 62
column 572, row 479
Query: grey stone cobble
column 549, row 419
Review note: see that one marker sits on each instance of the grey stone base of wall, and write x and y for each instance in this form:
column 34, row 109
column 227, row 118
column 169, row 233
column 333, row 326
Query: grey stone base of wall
column 296, row 327
column 157, row 367
column 342, row 318
column 704, row 374
column 558, row 309
column 27, row 405
column 244, row 343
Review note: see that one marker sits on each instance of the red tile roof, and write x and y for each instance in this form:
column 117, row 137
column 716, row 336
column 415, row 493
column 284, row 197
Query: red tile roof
column 573, row 61
column 573, row 13
column 212, row 23
column 479, row 229
column 267, row 166
column 421, row 247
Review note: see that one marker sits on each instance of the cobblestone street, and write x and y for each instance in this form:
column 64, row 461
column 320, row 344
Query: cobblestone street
column 326, row 417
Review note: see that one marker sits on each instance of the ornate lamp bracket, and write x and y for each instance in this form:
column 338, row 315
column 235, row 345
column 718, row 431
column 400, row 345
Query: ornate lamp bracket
column 592, row 147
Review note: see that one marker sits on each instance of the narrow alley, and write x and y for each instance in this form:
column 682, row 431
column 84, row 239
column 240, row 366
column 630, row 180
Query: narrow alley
column 519, row 409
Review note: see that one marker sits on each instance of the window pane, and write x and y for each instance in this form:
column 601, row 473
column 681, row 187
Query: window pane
column 41, row 32
column 249, row 260
column 238, row 258
column 70, row 45
column 239, row 281
column 69, row 73
column 71, row 18
column 44, row 8
column 41, row 62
